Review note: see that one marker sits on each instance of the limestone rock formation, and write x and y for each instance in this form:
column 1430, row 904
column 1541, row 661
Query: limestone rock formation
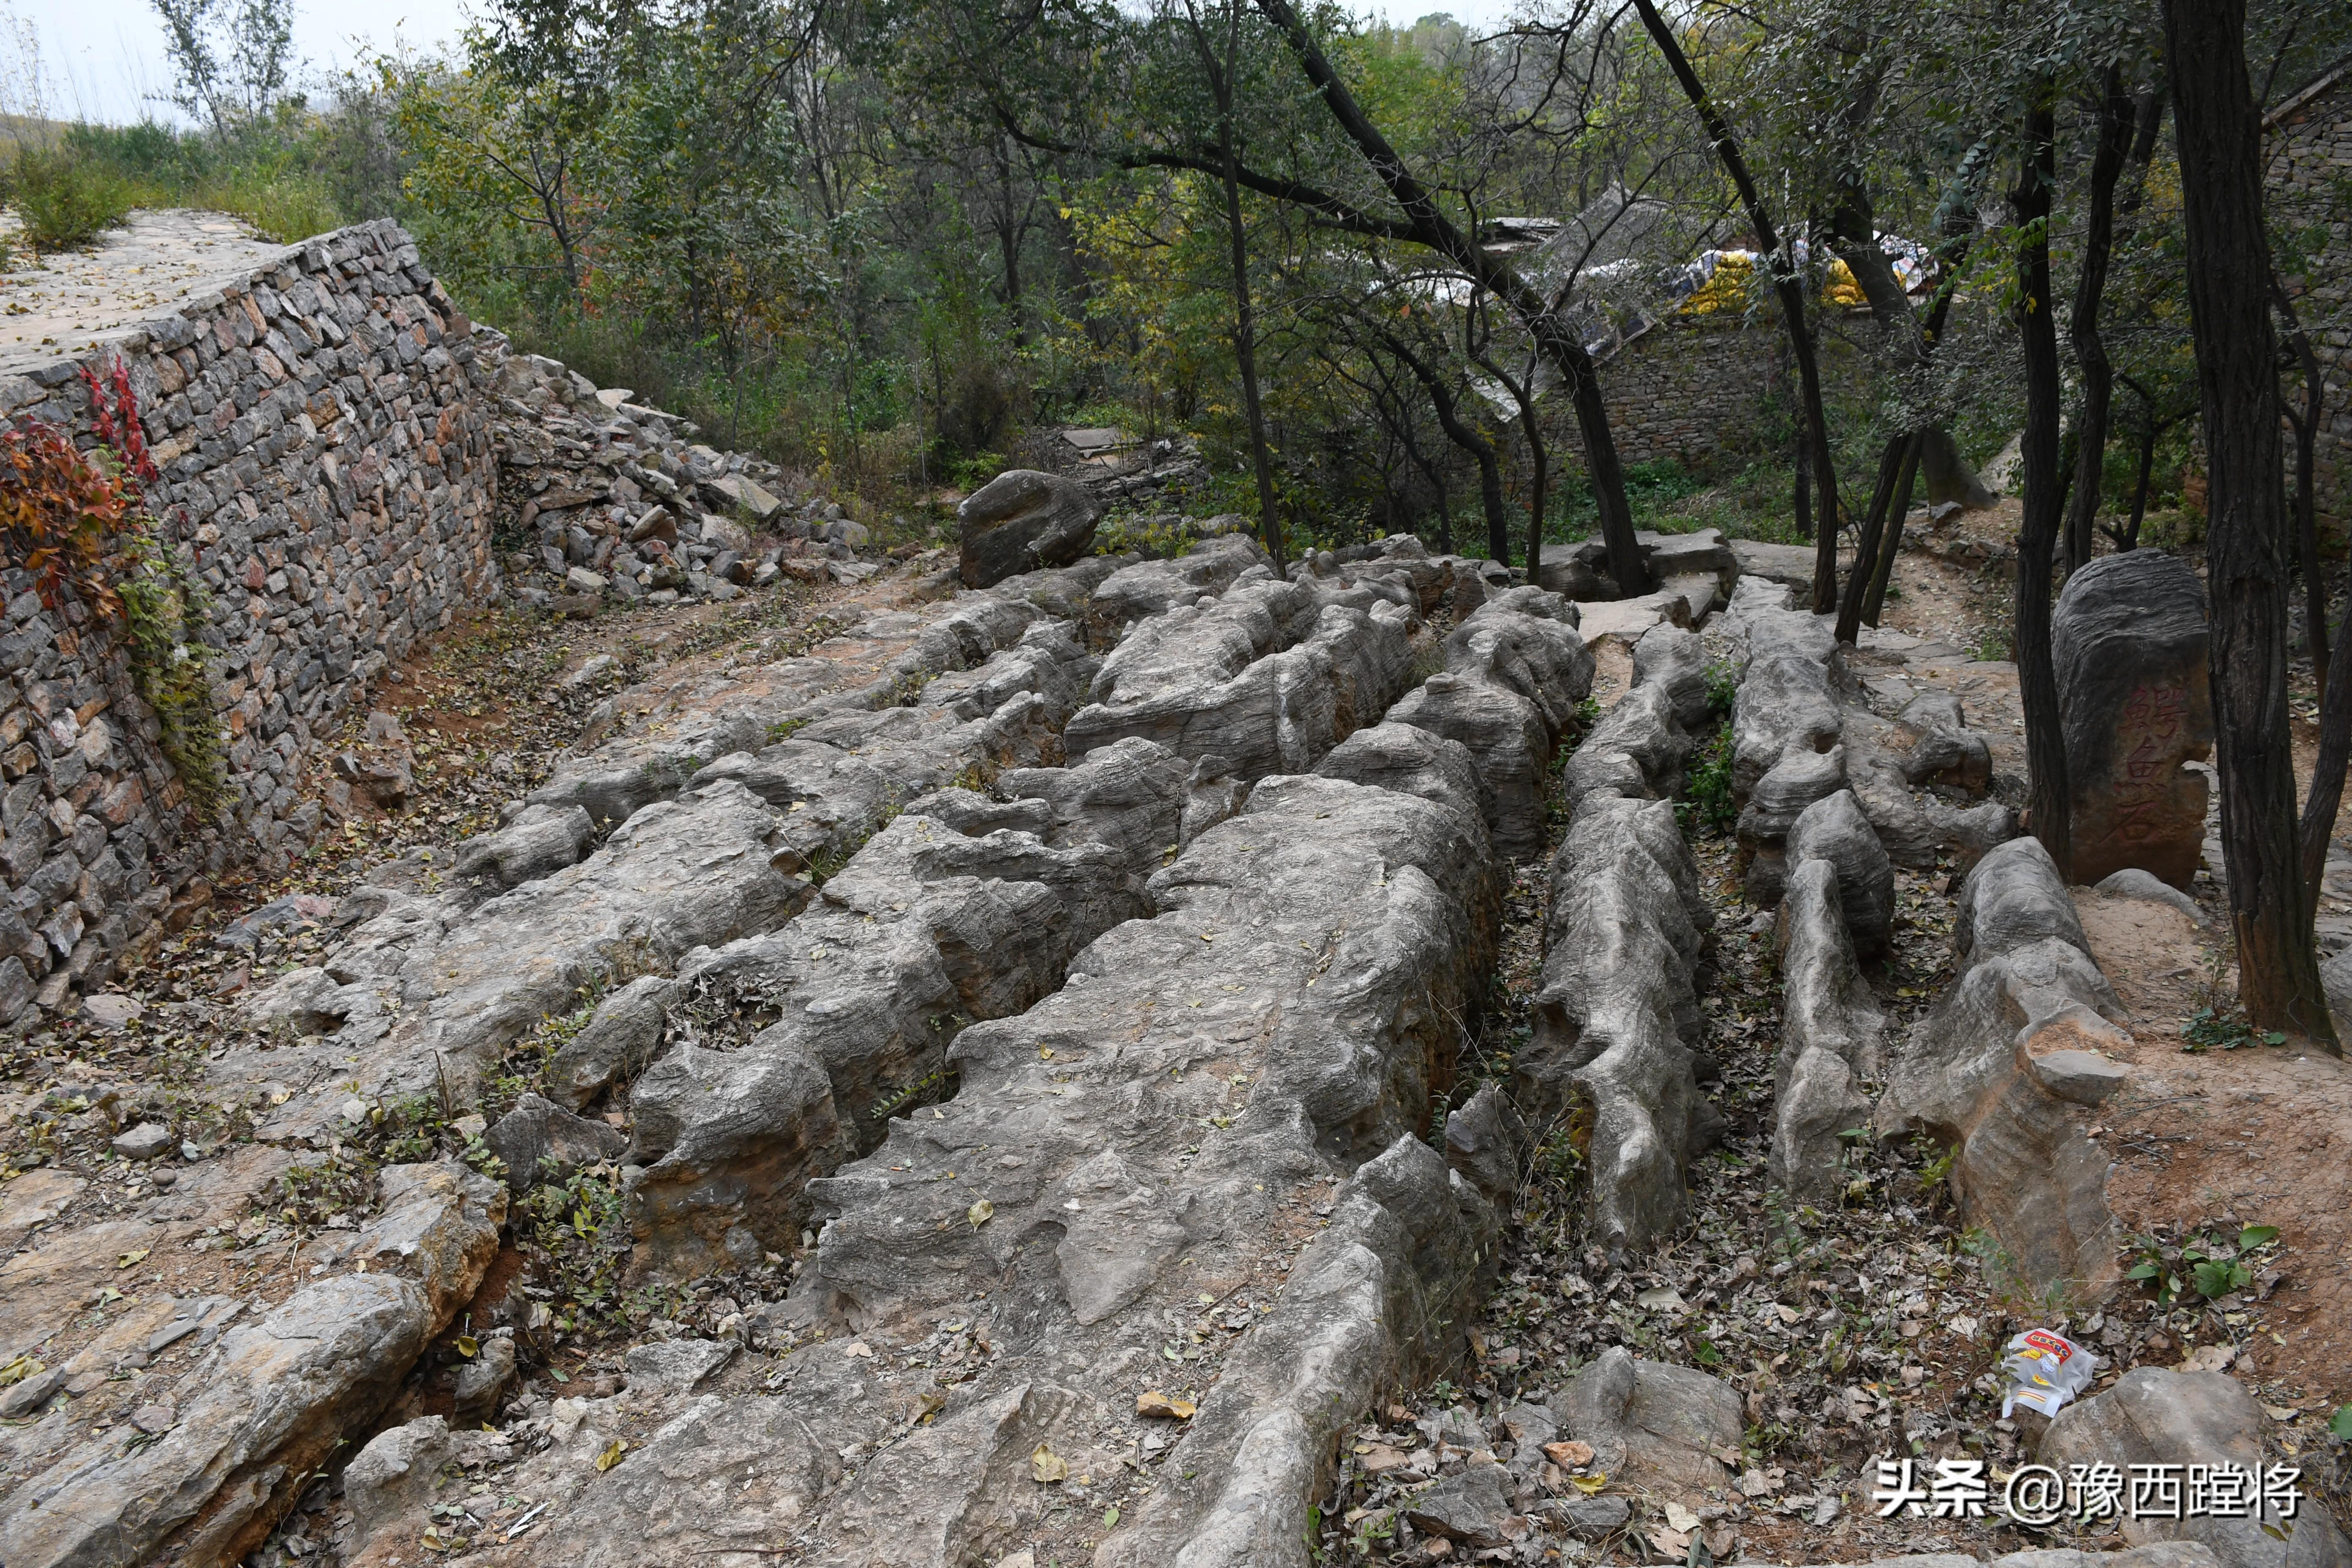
column 2128, row 638
column 2028, row 988
column 1797, row 781
column 1832, row 1038
column 926, row 930
column 1515, row 670
column 1834, row 829
column 256, row 1416
column 1020, row 520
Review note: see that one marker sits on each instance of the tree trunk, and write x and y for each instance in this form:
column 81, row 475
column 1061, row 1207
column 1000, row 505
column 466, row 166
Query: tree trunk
column 2130, row 539
column 1269, row 525
column 1800, row 497
column 1787, row 286
column 1426, row 223
column 1482, row 450
column 2037, row 680
column 2328, row 774
column 1523, row 391
column 2218, row 133
column 1891, row 460
column 2090, row 350
column 1882, row 536
column 1882, row 572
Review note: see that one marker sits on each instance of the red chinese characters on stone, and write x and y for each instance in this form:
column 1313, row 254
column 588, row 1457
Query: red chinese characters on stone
column 2148, row 732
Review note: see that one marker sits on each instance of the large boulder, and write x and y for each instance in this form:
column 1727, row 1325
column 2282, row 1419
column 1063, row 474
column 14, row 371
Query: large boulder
column 1023, row 519
column 2129, row 640
column 2191, row 1420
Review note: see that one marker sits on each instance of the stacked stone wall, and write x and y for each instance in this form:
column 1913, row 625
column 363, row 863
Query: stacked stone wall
column 328, row 476
column 1690, row 388
column 2310, row 146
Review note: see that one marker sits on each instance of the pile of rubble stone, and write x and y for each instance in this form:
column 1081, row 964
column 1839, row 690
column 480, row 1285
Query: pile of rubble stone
column 614, row 496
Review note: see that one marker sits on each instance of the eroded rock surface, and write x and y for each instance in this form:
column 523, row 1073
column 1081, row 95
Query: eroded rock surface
column 1514, row 672
column 2028, row 988
column 2156, row 1417
column 1831, row 1038
column 1131, row 1143
column 942, row 920
column 256, row 1414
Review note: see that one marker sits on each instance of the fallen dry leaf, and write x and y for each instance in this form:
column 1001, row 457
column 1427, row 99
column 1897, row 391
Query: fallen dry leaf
column 980, row 1213
column 1151, row 1402
column 1048, row 1467
column 1569, row 1456
column 611, row 1456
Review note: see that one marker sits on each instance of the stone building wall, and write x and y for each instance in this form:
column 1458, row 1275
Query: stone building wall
column 2310, row 145
column 329, row 476
column 1689, row 388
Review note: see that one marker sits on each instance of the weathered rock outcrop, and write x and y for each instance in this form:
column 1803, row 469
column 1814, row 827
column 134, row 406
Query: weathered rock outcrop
column 433, row 977
column 1154, row 587
column 943, row 920
column 1138, row 1139
column 1785, row 701
column 1676, row 660
column 1834, row 829
column 2128, row 641
column 1223, row 680
column 1970, row 1073
column 1799, row 781
column 1022, row 519
column 1831, row 1038
column 1515, row 670
column 1404, row 1248
column 428, row 984
column 2205, row 1419
column 1624, row 941
column 886, row 663
column 250, row 1420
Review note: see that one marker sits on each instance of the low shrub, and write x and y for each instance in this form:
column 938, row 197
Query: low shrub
column 66, row 202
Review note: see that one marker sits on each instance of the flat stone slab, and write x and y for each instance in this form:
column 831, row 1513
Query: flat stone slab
column 1628, row 618
column 1790, row 564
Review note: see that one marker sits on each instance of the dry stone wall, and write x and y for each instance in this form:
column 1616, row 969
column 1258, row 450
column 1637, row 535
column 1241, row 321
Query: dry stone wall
column 327, row 477
column 1688, row 388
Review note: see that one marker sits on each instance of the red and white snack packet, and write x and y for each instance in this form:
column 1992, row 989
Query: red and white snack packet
column 2046, row 1370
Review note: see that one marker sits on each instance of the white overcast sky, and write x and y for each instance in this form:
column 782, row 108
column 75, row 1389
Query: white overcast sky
column 104, row 58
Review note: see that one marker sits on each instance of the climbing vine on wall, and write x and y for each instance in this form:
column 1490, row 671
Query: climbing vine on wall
column 78, row 522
